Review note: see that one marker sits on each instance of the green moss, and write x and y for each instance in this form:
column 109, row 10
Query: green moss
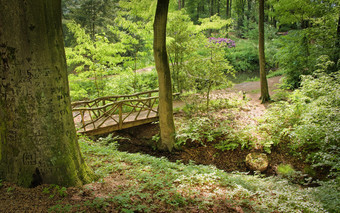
column 25, row 178
column 285, row 170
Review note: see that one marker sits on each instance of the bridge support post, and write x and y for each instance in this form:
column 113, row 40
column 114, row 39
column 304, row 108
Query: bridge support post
column 120, row 111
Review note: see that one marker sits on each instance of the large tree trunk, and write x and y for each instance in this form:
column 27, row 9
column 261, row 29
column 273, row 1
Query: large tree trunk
column 38, row 142
column 263, row 78
column 166, row 121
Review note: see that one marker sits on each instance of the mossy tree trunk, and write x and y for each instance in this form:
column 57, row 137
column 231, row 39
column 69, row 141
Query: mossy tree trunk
column 38, row 142
column 263, row 78
column 166, row 121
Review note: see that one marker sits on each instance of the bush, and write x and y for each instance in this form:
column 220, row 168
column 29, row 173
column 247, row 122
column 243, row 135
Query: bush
column 244, row 57
column 199, row 130
column 309, row 121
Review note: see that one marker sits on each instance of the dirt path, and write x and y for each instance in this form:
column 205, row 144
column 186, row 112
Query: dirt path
column 252, row 90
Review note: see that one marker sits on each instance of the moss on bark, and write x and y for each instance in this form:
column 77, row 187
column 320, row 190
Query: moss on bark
column 38, row 142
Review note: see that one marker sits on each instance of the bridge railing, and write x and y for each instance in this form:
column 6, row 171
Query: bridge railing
column 114, row 110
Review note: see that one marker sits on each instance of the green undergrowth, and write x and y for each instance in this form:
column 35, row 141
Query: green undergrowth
column 219, row 125
column 154, row 184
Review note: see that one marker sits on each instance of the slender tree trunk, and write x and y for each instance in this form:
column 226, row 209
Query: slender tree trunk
column 211, row 8
column 337, row 45
column 228, row 9
column 249, row 10
column 179, row 5
column 198, row 12
column 166, row 122
column 38, row 142
column 263, row 79
column 93, row 32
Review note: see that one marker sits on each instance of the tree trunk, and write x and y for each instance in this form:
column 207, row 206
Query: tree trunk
column 263, row 79
column 249, row 13
column 38, row 142
column 211, row 8
column 228, row 9
column 166, row 122
column 337, row 45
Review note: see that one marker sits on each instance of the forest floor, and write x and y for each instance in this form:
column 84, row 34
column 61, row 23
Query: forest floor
column 229, row 160
column 90, row 198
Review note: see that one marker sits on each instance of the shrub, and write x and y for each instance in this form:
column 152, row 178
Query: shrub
column 244, row 57
column 199, row 130
column 309, row 121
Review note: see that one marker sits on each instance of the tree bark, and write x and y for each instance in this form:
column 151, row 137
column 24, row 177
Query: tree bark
column 337, row 45
column 263, row 78
column 227, row 9
column 166, row 122
column 38, row 142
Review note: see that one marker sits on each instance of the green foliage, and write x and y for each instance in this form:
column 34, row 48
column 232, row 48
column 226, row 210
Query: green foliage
column 329, row 195
column 234, row 139
column 309, row 122
column 98, row 203
column 280, row 95
column 179, row 39
column 136, row 21
column 55, row 190
column 82, row 87
column 92, row 15
column 285, row 169
column 111, row 140
column 60, row 208
column 199, row 130
column 251, row 31
column 9, row 189
column 97, row 57
column 207, row 73
column 294, row 57
column 316, row 35
column 244, row 57
column 212, row 23
column 99, row 54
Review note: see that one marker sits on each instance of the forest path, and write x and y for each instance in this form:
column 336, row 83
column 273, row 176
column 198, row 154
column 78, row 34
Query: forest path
column 252, row 90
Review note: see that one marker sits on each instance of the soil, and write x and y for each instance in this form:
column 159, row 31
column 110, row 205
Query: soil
column 39, row 199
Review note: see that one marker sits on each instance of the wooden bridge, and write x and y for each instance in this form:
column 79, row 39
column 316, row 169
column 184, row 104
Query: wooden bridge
column 107, row 114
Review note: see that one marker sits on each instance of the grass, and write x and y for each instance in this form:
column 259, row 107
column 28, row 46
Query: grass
column 155, row 184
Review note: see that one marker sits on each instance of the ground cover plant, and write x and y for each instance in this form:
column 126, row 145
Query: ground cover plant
column 151, row 184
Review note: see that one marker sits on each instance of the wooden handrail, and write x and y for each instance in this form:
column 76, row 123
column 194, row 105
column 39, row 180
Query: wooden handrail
column 111, row 97
column 108, row 112
column 113, row 103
